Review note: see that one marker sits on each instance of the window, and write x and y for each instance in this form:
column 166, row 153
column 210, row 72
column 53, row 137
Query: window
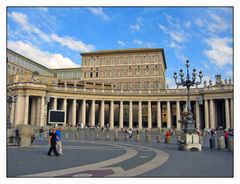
column 138, row 85
column 147, row 67
column 146, row 85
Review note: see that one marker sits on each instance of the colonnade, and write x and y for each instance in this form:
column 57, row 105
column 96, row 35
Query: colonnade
column 33, row 110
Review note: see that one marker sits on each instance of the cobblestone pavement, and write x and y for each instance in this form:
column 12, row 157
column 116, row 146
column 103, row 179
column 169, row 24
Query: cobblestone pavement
column 84, row 156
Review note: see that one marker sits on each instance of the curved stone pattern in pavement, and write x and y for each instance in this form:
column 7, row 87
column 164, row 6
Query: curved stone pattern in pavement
column 101, row 169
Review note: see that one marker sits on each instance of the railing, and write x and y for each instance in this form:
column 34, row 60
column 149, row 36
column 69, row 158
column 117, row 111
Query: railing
column 111, row 91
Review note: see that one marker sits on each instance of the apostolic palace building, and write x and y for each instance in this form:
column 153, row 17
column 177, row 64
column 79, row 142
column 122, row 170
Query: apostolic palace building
column 119, row 88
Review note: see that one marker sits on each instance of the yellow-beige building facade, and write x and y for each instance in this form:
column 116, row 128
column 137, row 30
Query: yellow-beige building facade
column 115, row 88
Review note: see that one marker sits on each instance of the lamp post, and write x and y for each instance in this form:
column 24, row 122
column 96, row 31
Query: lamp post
column 11, row 98
column 188, row 122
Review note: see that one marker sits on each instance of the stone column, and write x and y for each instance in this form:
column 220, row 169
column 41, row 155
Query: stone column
column 43, row 113
column 130, row 114
column 227, row 113
column 92, row 122
column 111, row 115
column 197, row 115
column 19, row 110
column 212, row 114
column 168, row 114
column 121, row 115
column 55, row 104
column 26, row 110
column 159, row 117
column 149, row 115
column 140, row 115
column 74, row 104
column 102, row 114
column 178, row 117
column 12, row 113
column 33, row 111
column 38, row 111
column 65, row 109
column 206, row 114
column 232, row 115
column 83, row 117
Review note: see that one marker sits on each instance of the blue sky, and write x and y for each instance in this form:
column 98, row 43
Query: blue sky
column 54, row 37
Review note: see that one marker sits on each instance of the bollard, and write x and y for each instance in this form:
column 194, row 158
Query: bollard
column 116, row 137
column 168, row 140
column 126, row 137
column 230, row 144
column 220, row 143
column 159, row 139
column 77, row 136
column 97, row 136
column 201, row 139
column 148, row 139
column 107, row 137
column 45, row 135
column 137, row 138
column 66, row 135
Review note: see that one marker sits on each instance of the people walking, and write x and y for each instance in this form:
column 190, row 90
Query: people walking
column 130, row 133
column 59, row 142
column 17, row 137
column 41, row 134
column 226, row 138
column 52, row 140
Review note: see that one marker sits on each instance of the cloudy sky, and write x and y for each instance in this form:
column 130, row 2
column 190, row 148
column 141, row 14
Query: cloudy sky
column 54, row 37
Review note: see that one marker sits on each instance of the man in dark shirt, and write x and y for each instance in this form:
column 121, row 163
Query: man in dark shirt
column 53, row 140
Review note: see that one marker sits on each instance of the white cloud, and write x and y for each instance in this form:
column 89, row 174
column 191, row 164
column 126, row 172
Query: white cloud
column 22, row 19
column 99, row 12
column 143, row 44
column 199, row 22
column 174, row 45
column 42, row 57
column 177, row 36
column 170, row 82
column 217, row 23
column 220, row 52
column 76, row 45
column 163, row 28
column 135, row 27
column 180, row 56
column 72, row 44
column 188, row 24
column 121, row 43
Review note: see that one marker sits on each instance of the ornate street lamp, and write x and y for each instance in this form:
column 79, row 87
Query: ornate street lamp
column 11, row 98
column 188, row 121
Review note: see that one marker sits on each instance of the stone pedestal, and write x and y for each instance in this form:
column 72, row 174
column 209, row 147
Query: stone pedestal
column 107, row 138
column 220, row 143
column 192, row 142
column 116, row 137
column 168, row 140
column 137, row 138
column 230, row 144
column 26, row 134
column 97, row 136
column 159, row 139
column 77, row 136
column 148, row 139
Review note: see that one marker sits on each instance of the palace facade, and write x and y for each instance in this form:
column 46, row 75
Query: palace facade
column 119, row 88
